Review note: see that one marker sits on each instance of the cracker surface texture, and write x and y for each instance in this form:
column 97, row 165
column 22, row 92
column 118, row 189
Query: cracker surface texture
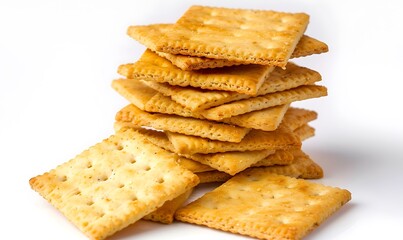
column 243, row 79
column 259, row 204
column 247, row 36
column 114, row 183
column 306, row 46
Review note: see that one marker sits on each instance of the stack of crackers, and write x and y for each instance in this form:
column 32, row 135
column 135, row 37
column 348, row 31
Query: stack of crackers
column 209, row 101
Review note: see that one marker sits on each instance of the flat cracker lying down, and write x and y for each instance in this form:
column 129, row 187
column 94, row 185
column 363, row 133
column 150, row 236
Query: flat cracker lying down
column 263, row 205
column 305, row 47
column 247, row 36
column 301, row 167
column 189, row 126
column 114, row 183
column 197, row 99
column 245, row 79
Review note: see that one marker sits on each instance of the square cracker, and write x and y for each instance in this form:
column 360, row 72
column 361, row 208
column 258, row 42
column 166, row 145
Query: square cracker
column 269, row 100
column 243, row 79
column 247, row 36
column 114, row 183
column 268, row 206
column 281, row 138
column 165, row 214
column 305, row 47
column 185, row 125
column 197, row 99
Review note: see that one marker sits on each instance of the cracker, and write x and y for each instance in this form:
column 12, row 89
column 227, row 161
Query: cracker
column 134, row 91
column 232, row 162
column 297, row 117
column 269, row 100
column 305, row 47
column 165, row 214
column 281, row 138
column 243, row 79
column 263, row 205
column 247, row 36
column 188, row 126
column 197, row 99
column 114, row 183
column 266, row 119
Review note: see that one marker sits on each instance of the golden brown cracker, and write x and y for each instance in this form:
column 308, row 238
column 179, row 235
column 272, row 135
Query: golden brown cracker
column 266, row 119
column 245, row 79
column 232, row 162
column 114, row 183
column 185, row 125
column 281, row 138
column 267, row 206
column 269, row 100
column 247, row 36
column 305, row 47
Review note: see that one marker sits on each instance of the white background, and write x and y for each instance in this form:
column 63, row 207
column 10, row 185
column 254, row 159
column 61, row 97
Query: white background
column 58, row 58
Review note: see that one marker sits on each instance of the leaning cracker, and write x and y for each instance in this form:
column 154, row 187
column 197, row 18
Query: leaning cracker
column 188, row 126
column 165, row 214
column 197, row 99
column 266, row 119
column 305, row 47
column 265, row 101
column 259, row 204
column 281, row 138
column 114, row 183
column 247, row 36
column 243, row 79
